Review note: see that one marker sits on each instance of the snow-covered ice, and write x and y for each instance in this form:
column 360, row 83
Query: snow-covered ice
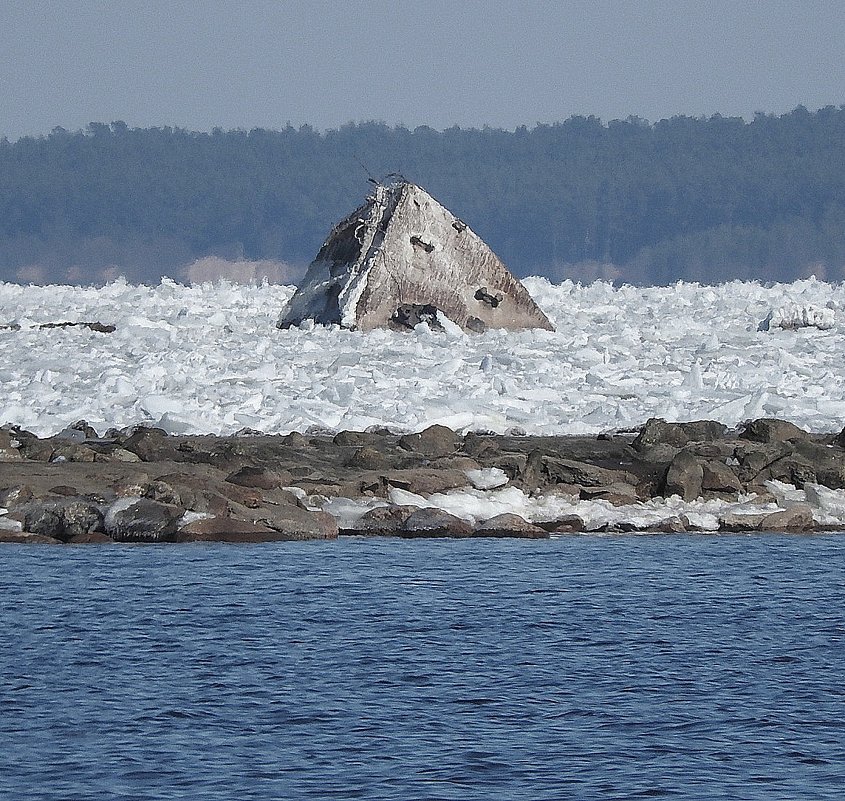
column 476, row 505
column 795, row 316
column 209, row 359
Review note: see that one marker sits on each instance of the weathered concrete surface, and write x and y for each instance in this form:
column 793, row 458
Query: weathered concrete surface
column 398, row 259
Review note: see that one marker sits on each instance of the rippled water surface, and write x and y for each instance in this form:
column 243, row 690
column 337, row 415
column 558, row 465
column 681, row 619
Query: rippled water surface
column 682, row 667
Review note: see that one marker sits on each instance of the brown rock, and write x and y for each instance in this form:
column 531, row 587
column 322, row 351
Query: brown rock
column 684, row 477
column 9, row 447
column 718, row 450
column 568, row 524
column 36, row 450
column 142, row 520
column 830, row 475
column 345, row 439
column 246, row 496
column 367, row 458
column 295, row 523
column 433, row 442
column 771, row 430
column 295, row 440
column 827, row 462
column 795, row 518
column 791, row 469
column 434, row 523
column 15, row 495
column 318, row 489
column 660, row 454
column 462, row 463
column 132, row 487
column 286, row 497
column 657, row 431
column 616, row 494
column 87, row 431
column 23, row 538
column 514, row 466
column 510, row 525
column 153, row 445
column 64, row 489
column 422, row 481
column 116, row 454
column 383, row 521
column 736, row 522
column 73, row 453
column 80, row 518
column 164, row 492
column 532, row 475
column 213, row 504
column 704, row 430
column 480, row 447
column 91, row 538
column 754, row 458
column 584, row 474
column 258, row 478
column 228, row 529
column 717, row 477
column 195, row 487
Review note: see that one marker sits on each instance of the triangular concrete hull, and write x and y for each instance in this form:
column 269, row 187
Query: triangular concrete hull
column 402, row 249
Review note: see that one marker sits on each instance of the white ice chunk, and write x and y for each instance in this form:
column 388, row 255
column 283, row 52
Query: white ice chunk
column 620, row 355
column 487, row 478
column 794, row 315
column 828, row 504
column 347, row 511
column 401, row 497
column 192, row 517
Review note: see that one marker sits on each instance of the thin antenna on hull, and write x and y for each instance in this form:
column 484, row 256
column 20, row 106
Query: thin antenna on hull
column 363, row 166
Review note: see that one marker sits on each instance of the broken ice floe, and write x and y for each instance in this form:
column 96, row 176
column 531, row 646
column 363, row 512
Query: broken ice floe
column 794, row 316
column 208, row 359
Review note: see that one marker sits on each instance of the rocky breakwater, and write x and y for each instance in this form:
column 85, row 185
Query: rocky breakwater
column 142, row 485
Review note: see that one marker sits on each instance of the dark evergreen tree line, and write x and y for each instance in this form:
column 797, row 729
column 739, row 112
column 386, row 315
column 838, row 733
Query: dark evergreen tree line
column 704, row 199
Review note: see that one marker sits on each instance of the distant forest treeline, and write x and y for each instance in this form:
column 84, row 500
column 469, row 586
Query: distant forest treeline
column 701, row 199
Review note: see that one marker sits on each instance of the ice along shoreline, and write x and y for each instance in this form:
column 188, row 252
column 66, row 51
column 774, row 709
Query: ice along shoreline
column 143, row 485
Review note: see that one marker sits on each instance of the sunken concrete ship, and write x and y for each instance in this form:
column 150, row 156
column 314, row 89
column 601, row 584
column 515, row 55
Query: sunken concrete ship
column 401, row 259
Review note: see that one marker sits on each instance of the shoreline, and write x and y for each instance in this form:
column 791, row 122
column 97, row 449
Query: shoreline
column 143, row 485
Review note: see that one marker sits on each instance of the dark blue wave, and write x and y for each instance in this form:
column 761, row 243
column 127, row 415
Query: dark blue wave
column 616, row 668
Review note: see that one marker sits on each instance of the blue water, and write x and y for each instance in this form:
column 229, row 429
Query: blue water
column 608, row 668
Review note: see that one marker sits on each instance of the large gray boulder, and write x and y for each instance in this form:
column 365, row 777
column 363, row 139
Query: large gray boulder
column 142, row 520
column 434, row 523
column 684, row 477
column 772, row 430
column 510, row 525
column 433, row 442
column 294, row 523
column 227, row 529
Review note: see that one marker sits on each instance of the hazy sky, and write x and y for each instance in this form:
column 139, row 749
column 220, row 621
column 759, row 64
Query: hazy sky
column 256, row 63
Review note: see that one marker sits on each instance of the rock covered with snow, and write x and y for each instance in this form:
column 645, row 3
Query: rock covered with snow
column 402, row 259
